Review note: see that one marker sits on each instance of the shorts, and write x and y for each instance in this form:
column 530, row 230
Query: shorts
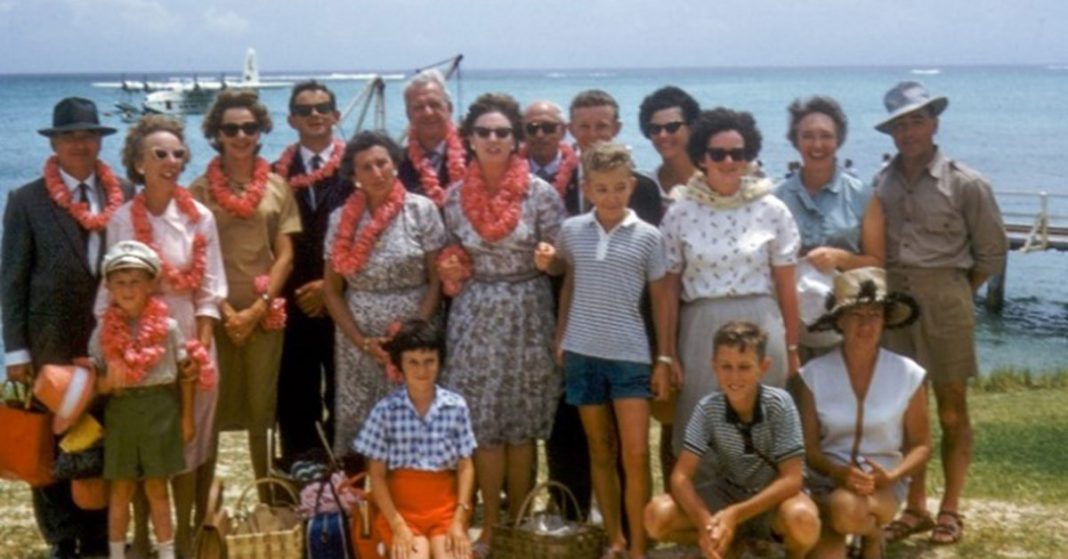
column 592, row 381
column 942, row 340
column 719, row 494
column 425, row 500
column 142, row 434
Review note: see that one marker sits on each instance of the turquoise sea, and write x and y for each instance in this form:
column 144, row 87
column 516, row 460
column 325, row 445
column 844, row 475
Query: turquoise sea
column 1010, row 123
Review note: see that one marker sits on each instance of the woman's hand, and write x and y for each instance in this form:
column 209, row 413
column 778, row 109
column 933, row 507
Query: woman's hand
column 793, row 363
column 377, row 352
column 880, row 477
column 543, row 256
column 403, row 542
column 661, row 382
column 827, row 259
column 457, row 543
column 241, row 324
column 310, row 298
column 857, row 480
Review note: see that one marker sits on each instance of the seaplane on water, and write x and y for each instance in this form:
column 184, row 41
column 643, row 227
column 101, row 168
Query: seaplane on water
column 182, row 97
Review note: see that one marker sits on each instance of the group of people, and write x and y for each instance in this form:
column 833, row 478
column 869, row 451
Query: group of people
column 441, row 307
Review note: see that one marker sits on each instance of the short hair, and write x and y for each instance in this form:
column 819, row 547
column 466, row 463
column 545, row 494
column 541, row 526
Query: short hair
column 554, row 107
column 667, row 97
column 493, row 103
column 823, row 105
column 606, row 156
column 310, row 85
column 594, row 98
column 430, row 76
column 366, row 140
column 415, row 334
column 741, row 335
column 234, row 99
column 133, row 147
column 721, row 119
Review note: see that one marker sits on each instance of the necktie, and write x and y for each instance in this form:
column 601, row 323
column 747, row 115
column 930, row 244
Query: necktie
column 545, row 175
column 316, row 163
column 83, row 197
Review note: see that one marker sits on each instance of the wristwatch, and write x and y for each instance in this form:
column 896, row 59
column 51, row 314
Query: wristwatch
column 665, row 359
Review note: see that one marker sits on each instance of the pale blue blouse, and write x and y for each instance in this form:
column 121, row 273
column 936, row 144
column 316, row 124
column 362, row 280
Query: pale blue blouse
column 833, row 217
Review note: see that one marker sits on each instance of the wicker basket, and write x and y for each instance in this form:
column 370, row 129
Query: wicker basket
column 584, row 541
column 263, row 531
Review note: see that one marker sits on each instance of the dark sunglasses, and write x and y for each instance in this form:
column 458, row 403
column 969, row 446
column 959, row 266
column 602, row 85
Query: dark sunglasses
column 306, row 110
column 720, row 154
column 502, row 133
column 161, row 154
column 230, row 130
column 546, row 128
column 670, row 128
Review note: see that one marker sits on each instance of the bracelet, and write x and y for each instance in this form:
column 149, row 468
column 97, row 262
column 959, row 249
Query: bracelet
column 266, row 298
column 366, row 344
column 665, row 359
column 792, row 348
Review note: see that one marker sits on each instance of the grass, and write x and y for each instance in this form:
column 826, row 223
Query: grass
column 1016, row 500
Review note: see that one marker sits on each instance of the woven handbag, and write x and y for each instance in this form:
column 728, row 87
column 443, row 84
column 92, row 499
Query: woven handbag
column 27, row 448
column 264, row 531
column 570, row 540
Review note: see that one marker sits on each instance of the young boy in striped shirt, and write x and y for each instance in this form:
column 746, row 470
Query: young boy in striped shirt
column 609, row 256
column 740, row 470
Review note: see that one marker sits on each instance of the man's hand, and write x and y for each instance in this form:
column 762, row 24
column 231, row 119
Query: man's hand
column 310, row 298
column 721, row 531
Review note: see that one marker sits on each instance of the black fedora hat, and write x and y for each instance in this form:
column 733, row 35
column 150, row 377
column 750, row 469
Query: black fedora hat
column 73, row 114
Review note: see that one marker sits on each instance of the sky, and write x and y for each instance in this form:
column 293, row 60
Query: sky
column 58, row 36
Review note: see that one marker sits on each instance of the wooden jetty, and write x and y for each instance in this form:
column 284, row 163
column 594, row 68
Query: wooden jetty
column 1028, row 232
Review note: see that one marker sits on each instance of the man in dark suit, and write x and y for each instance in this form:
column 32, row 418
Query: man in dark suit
column 432, row 140
column 52, row 246
column 306, row 378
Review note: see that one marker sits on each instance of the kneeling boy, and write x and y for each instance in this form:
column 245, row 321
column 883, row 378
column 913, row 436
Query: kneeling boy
column 753, row 433
column 419, row 443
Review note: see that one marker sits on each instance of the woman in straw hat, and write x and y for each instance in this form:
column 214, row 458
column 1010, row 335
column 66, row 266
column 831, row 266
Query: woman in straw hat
column 864, row 414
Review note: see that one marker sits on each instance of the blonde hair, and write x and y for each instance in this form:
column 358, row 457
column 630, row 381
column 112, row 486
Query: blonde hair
column 606, row 156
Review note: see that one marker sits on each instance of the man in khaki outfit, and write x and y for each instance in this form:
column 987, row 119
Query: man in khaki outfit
column 944, row 238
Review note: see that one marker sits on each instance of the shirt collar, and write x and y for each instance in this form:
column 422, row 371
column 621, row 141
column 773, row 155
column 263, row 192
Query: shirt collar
column 72, row 183
column 401, row 398
column 629, row 220
column 731, row 416
column 307, row 154
column 937, row 164
column 549, row 168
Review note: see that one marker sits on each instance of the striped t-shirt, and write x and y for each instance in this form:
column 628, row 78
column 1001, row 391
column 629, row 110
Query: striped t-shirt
column 611, row 270
column 744, row 454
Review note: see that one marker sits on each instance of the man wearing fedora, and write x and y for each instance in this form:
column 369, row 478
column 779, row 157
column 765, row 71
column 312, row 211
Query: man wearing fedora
column 53, row 239
column 944, row 238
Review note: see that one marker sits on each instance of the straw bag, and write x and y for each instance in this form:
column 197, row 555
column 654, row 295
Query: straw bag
column 548, row 535
column 27, row 450
column 258, row 532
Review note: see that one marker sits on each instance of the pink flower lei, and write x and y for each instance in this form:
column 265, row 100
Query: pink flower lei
column 245, row 205
column 179, row 280
column 134, row 356
column 428, row 175
column 275, row 319
column 61, row 195
column 569, row 161
column 351, row 249
column 297, row 182
column 495, row 215
column 208, row 377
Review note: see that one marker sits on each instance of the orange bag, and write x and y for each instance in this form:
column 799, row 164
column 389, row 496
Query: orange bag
column 27, row 448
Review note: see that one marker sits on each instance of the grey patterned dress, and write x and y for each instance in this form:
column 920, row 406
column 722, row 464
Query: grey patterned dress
column 501, row 324
column 388, row 288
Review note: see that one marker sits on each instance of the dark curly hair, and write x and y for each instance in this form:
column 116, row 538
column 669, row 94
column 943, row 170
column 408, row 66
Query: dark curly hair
column 133, row 147
column 487, row 103
column 416, row 334
column 234, row 99
column 366, row 140
column 721, row 119
column 821, row 104
column 666, row 98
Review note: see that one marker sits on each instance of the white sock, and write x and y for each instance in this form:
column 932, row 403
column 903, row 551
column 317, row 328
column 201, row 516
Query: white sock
column 165, row 550
column 117, row 550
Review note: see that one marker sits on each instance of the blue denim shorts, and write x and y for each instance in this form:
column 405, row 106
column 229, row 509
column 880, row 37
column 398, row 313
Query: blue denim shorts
column 594, row 381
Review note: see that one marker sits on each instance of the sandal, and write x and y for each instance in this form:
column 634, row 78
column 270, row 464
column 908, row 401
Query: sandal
column 910, row 522
column 947, row 532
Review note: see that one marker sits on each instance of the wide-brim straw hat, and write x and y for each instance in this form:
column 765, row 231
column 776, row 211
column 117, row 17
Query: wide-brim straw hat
column 66, row 391
column 906, row 97
column 866, row 286
column 74, row 114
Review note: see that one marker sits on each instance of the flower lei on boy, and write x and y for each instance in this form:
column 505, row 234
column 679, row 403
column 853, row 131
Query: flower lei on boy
column 244, row 205
column 133, row 356
column 179, row 280
column 569, row 161
column 59, row 193
column 275, row 319
column 351, row 249
column 428, row 175
column 297, row 182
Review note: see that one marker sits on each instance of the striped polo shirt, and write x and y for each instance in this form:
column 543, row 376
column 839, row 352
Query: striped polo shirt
column 611, row 271
column 742, row 454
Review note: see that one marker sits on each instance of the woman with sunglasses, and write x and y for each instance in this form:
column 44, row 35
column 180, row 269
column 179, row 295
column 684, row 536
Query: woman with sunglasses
column 665, row 118
column 381, row 254
column 164, row 216
column 501, row 324
column 256, row 213
column 731, row 252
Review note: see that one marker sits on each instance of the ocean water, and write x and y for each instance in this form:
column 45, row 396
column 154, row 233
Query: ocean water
column 1010, row 123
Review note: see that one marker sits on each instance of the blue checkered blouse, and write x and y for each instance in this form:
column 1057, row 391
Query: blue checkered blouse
column 395, row 434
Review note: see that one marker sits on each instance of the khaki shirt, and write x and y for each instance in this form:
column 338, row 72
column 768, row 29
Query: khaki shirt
column 248, row 244
column 947, row 218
